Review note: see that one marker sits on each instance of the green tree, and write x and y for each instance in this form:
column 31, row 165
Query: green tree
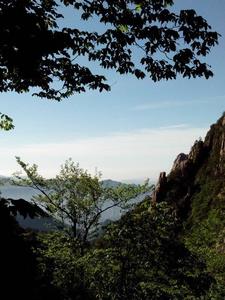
column 36, row 51
column 77, row 199
column 60, row 268
column 141, row 257
column 6, row 123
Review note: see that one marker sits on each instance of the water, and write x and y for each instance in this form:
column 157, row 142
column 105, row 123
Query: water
column 26, row 193
column 17, row 192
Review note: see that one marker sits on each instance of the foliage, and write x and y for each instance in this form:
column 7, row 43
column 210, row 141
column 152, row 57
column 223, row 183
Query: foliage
column 6, row 123
column 204, row 234
column 138, row 257
column 203, row 231
column 60, row 267
column 77, row 198
column 142, row 258
column 36, row 51
column 204, row 200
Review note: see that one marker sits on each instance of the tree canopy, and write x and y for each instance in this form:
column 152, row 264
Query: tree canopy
column 140, row 257
column 143, row 38
column 77, row 199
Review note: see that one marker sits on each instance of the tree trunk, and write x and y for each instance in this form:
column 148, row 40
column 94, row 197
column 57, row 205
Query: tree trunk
column 74, row 229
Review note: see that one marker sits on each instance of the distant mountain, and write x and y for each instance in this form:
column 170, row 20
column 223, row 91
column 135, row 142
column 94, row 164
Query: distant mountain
column 38, row 223
column 45, row 224
column 5, row 180
column 110, row 183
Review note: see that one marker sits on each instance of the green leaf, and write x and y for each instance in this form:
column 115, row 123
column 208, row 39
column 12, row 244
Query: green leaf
column 6, row 123
column 138, row 8
column 123, row 28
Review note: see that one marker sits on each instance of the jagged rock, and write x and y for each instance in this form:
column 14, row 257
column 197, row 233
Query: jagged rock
column 223, row 120
column 204, row 163
column 196, row 151
column 160, row 188
column 210, row 137
column 184, row 163
column 180, row 164
column 222, row 148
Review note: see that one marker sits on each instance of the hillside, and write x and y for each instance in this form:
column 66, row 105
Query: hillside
column 195, row 187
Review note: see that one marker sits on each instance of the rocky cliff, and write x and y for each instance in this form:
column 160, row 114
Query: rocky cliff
column 195, row 187
column 190, row 172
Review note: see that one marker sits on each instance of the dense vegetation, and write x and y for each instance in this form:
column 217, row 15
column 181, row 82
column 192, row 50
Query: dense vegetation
column 139, row 257
column 196, row 189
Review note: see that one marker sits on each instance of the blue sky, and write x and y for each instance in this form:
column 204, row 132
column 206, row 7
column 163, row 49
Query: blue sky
column 133, row 132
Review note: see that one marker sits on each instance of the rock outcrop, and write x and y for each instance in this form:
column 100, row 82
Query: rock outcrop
column 195, row 189
column 205, row 161
column 180, row 163
column 160, row 188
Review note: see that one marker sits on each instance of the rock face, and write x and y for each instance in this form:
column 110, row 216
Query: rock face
column 180, row 163
column 195, row 188
column 160, row 188
column 204, row 163
column 222, row 147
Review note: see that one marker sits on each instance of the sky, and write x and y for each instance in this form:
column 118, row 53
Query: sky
column 132, row 132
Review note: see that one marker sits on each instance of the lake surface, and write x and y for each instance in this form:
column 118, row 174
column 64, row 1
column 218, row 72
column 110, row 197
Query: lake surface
column 26, row 193
column 17, row 192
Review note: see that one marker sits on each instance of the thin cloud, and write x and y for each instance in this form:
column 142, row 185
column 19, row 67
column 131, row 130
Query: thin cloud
column 135, row 154
column 174, row 126
column 174, row 103
column 158, row 105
